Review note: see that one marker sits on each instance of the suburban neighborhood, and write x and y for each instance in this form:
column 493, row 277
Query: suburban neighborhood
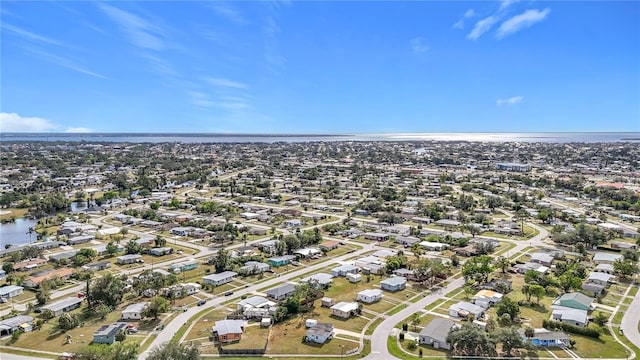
column 374, row 250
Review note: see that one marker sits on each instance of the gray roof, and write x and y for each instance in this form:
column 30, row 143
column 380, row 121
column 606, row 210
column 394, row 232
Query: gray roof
column 110, row 330
column 221, row 276
column 59, row 305
column 224, row 327
column 9, row 288
column 254, row 301
column 438, row 329
column 321, row 329
column 16, row 321
column 136, row 308
column 281, row 290
column 600, row 276
column 569, row 314
column 393, row 281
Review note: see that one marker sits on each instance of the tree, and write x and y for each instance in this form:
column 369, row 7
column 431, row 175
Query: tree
column 102, row 311
column 115, row 351
column 503, row 263
column 625, row 268
column 157, row 306
column 43, row 295
column 529, row 332
column 600, row 318
column 159, row 241
column 478, row 268
column 415, row 321
column 67, row 321
column 221, row 260
column 174, row 351
column 509, row 338
column 7, row 267
column 107, row 290
column 471, row 340
column 112, row 248
column 132, row 247
column 508, row 306
column 568, row 281
column 538, row 291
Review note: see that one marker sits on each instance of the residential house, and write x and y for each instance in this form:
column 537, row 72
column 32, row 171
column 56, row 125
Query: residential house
column 307, row 252
column 343, row 270
column 322, row 280
column 546, row 338
column 605, row 268
column 606, row 258
column 10, row 291
column 523, row 268
column 369, row 296
column 486, row 298
column 465, row 309
column 281, row 260
column 281, row 292
column 256, row 307
column 34, row 281
column 436, row 332
column 226, row 331
column 15, row 323
column 64, row 255
column 106, row 334
column 97, row 265
column 406, row 241
column 28, row 265
column 499, row 285
column 394, row 283
column 600, row 278
column 577, row 317
column 161, row 251
column 63, row 306
column 433, row 246
column 128, row 259
column 542, row 258
column 593, row 289
column 254, row 267
column 81, row 239
column 377, row 236
column 319, row 333
column 293, row 223
column 574, row 300
column 184, row 266
column 135, row 311
column 345, row 310
column 354, row 278
column 219, row 279
column 329, row 245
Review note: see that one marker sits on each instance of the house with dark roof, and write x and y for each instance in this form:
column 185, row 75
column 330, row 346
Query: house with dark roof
column 436, row 332
column 106, row 334
column 281, row 292
column 319, row 333
column 394, row 283
column 226, row 331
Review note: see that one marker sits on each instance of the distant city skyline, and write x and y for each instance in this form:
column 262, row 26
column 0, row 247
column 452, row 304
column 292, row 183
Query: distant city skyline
column 320, row 67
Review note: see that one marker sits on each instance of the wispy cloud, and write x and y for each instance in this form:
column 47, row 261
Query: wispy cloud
column 226, row 83
column 482, row 26
column 521, row 21
column 274, row 59
column 506, row 3
column 141, row 33
column 230, row 13
column 30, row 36
column 418, row 46
column 12, row 122
column 469, row 13
column 510, row 101
column 63, row 62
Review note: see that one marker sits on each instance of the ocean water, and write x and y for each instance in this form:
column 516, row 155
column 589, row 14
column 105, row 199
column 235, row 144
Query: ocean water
column 551, row 137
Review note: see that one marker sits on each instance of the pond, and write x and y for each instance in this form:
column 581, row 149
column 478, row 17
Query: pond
column 16, row 233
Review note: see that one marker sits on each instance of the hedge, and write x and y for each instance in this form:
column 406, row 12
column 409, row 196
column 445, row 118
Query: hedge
column 557, row 325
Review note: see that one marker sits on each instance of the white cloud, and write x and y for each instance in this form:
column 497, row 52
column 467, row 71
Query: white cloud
column 459, row 25
column 521, row 21
column 78, row 130
column 229, row 13
column 63, row 62
column 12, row 122
column 226, row 83
column 140, row 32
column 33, row 37
column 469, row 13
column 482, row 26
column 510, row 101
column 506, row 3
column 418, row 46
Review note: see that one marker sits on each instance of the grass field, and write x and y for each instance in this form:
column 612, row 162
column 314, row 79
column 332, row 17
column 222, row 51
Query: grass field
column 286, row 338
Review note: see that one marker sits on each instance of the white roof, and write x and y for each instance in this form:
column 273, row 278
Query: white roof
column 370, row 292
column 345, row 306
column 136, row 308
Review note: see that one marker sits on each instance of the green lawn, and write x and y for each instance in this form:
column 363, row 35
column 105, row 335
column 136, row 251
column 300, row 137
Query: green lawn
column 286, row 338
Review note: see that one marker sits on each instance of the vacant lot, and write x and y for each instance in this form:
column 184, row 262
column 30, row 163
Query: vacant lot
column 287, row 338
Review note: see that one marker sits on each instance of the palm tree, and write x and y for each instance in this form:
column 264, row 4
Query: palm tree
column 30, row 233
column 503, row 263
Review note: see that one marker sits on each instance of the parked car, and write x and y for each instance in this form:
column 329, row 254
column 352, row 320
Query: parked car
column 228, row 293
column 202, row 302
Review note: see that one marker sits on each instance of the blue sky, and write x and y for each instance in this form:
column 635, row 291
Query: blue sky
column 330, row 67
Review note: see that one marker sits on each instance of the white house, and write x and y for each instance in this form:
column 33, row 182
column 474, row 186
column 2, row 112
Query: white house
column 219, row 279
column 345, row 310
column 343, row 270
column 10, row 291
column 394, row 283
column 256, row 307
column 320, row 333
column 134, row 311
column 600, row 278
column 464, row 309
column 369, row 296
column 354, row 278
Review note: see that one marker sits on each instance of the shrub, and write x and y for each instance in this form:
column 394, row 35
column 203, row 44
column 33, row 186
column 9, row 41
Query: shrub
column 412, row 345
column 556, row 325
column 405, row 326
column 401, row 336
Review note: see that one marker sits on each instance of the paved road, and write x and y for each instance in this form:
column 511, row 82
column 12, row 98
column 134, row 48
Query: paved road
column 172, row 327
column 630, row 321
column 6, row 356
column 379, row 337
